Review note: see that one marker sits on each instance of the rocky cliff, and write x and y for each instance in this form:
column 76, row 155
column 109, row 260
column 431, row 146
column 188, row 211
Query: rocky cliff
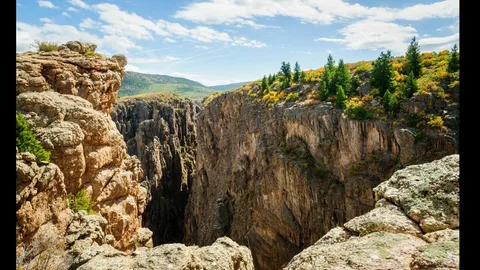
column 278, row 177
column 65, row 97
column 414, row 225
column 159, row 129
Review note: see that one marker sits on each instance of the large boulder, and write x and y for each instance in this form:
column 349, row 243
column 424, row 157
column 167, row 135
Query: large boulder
column 414, row 225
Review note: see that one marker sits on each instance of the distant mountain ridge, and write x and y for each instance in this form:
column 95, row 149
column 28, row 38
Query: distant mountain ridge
column 135, row 83
column 228, row 86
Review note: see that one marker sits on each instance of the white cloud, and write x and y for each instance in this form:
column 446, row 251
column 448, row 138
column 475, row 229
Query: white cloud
column 169, row 40
column 252, row 43
column 72, row 9
column 130, row 67
column 426, row 35
column 65, row 14
column 242, row 12
column 89, row 24
column 308, row 52
column 329, row 51
column 27, row 34
column 453, row 27
column 201, row 47
column 46, row 20
column 436, row 41
column 152, row 60
column 46, row 4
column 79, row 3
column 369, row 34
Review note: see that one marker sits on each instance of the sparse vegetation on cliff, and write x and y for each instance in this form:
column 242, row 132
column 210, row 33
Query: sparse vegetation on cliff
column 45, row 46
column 80, row 201
column 26, row 141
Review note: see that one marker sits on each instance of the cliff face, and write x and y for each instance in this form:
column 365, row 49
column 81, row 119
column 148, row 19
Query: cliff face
column 64, row 96
column 278, row 178
column 414, row 225
column 160, row 131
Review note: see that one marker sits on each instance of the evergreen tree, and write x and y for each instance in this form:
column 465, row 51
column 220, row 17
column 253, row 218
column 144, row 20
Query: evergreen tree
column 386, row 100
column 264, row 82
column 414, row 62
column 302, row 76
column 342, row 77
column 287, row 75
column 274, row 77
column 323, row 91
column 296, row 73
column 390, row 102
column 453, row 60
column 327, row 77
column 382, row 73
column 411, row 85
column 341, row 97
column 270, row 79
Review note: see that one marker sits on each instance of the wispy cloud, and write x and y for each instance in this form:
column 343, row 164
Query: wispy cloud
column 72, row 9
column 153, row 60
column 46, row 4
column 46, row 20
column 169, row 40
column 65, row 14
column 79, row 3
column 89, row 23
column 201, row 47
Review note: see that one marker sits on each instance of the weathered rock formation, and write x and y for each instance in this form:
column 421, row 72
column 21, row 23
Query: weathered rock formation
column 223, row 254
column 159, row 129
column 65, row 97
column 69, row 71
column 414, row 225
column 277, row 178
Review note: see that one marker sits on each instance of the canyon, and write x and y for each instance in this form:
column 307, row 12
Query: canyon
column 232, row 183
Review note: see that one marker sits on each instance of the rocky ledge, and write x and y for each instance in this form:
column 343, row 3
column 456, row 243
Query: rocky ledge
column 414, row 225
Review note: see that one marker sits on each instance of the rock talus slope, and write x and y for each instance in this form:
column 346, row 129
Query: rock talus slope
column 414, row 225
column 65, row 97
column 277, row 178
column 160, row 131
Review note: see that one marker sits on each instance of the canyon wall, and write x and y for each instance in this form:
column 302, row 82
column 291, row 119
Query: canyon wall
column 278, row 177
column 159, row 129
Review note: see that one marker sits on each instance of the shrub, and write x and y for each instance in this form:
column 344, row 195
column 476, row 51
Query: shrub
column 435, row 122
column 356, row 111
column 94, row 54
column 292, row 96
column 26, row 141
column 80, row 201
column 45, row 46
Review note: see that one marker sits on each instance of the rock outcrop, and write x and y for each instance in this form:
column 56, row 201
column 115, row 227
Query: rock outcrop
column 415, row 225
column 159, row 129
column 223, row 254
column 278, row 177
column 69, row 71
column 65, row 97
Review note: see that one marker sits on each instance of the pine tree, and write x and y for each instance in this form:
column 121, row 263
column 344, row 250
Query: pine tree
column 411, row 85
column 382, row 73
column 327, row 77
column 340, row 97
column 296, row 73
column 386, row 100
column 270, row 79
column 287, row 75
column 274, row 77
column 323, row 91
column 414, row 62
column 342, row 77
column 264, row 82
column 453, row 60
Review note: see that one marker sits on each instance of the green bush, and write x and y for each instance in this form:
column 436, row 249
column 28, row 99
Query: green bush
column 45, row 46
column 80, row 201
column 292, row 96
column 358, row 112
column 26, row 141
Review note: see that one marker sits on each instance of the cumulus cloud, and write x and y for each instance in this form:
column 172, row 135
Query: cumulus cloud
column 248, row 43
column 27, row 34
column 242, row 12
column 89, row 24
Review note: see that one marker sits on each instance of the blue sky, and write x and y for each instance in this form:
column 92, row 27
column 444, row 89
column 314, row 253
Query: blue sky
column 225, row 41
